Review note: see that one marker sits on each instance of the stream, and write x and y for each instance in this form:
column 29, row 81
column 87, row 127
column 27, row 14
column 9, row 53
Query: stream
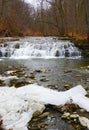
column 53, row 64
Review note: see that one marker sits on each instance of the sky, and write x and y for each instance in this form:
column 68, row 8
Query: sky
column 30, row 1
column 33, row 2
column 36, row 3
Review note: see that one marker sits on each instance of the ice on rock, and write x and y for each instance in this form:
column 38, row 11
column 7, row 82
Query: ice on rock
column 17, row 105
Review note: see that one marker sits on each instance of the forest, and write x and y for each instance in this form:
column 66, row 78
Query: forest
column 51, row 18
column 44, row 64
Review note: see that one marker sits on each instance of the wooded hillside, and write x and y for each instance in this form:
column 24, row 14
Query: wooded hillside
column 58, row 17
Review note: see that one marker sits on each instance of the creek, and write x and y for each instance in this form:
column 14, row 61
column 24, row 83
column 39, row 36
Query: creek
column 53, row 63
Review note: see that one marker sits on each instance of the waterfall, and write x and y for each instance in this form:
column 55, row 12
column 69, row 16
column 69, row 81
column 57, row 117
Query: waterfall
column 39, row 47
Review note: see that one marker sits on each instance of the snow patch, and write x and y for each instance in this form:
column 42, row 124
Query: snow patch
column 17, row 105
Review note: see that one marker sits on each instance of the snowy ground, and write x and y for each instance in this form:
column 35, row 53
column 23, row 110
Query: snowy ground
column 17, row 105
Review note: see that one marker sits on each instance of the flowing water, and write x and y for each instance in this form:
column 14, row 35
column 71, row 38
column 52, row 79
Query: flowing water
column 38, row 47
column 60, row 62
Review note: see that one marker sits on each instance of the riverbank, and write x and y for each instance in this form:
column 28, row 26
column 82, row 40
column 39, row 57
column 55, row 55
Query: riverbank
column 83, row 45
column 8, row 39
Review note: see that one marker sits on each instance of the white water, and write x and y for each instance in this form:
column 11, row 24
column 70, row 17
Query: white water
column 39, row 47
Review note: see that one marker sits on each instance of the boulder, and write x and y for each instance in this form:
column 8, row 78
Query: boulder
column 17, row 46
column 67, row 53
column 5, row 45
column 7, row 54
column 57, row 54
column 65, row 115
column 65, row 46
column 1, row 54
column 83, row 121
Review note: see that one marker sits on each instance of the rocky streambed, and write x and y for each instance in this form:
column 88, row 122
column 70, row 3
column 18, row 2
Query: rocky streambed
column 57, row 75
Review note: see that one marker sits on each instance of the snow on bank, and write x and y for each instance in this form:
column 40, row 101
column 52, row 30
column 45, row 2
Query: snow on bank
column 17, row 105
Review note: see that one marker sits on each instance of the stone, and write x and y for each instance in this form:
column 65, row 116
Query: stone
column 69, row 108
column 82, row 110
column 87, row 67
column 74, row 116
column 86, row 87
column 17, row 46
column 83, row 121
column 21, row 82
column 7, row 54
column 10, row 72
column 30, row 82
column 52, row 86
column 88, row 80
column 35, row 120
column 1, row 54
column 45, row 114
column 13, row 82
column 74, row 54
column 57, row 54
column 67, row 53
column 42, row 125
column 44, row 80
column 68, row 71
column 65, row 46
column 5, row 45
column 1, row 82
column 32, row 76
column 18, row 73
column 67, row 85
column 65, row 115
column 38, row 71
column 43, row 71
column 37, row 113
column 78, row 75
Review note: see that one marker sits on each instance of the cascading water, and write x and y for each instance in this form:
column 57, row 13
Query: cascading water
column 39, row 47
